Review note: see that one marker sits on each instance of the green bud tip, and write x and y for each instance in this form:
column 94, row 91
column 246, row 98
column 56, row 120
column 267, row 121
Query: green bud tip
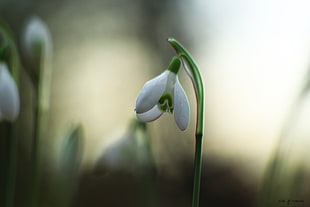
column 174, row 65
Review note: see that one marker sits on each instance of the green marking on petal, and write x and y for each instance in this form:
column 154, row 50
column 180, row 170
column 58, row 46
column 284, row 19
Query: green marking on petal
column 166, row 103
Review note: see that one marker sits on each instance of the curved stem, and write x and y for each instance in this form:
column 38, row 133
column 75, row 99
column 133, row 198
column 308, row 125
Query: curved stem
column 193, row 71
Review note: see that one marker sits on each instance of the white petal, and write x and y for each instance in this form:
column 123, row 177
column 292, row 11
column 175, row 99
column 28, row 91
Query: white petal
column 150, row 115
column 36, row 32
column 151, row 92
column 9, row 97
column 181, row 106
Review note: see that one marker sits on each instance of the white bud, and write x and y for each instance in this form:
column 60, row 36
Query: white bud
column 9, row 96
column 36, row 41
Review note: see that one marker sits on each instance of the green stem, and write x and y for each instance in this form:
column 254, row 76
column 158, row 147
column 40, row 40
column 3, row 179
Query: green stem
column 12, row 141
column 10, row 170
column 193, row 71
column 34, row 187
column 42, row 88
column 197, row 175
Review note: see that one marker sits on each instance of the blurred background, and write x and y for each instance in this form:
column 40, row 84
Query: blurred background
column 254, row 58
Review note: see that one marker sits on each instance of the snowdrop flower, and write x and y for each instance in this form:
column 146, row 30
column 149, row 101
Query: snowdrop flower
column 38, row 52
column 9, row 97
column 130, row 152
column 36, row 41
column 162, row 94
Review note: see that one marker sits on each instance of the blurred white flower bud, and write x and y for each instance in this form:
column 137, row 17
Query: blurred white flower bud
column 9, row 96
column 36, row 42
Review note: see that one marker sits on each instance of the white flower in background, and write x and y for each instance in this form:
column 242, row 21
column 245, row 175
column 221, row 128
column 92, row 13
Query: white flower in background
column 9, row 96
column 36, row 41
column 37, row 47
column 162, row 94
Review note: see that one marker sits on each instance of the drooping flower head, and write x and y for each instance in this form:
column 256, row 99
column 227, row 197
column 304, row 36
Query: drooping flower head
column 36, row 41
column 37, row 46
column 9, row 96
column 162, row 94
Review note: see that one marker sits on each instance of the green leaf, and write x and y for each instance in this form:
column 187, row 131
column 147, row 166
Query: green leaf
column 71, row 153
